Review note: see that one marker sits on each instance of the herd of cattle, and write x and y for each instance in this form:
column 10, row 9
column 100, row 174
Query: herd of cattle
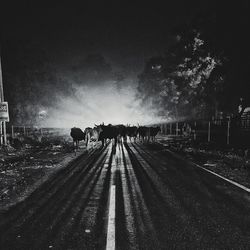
column 113, row 132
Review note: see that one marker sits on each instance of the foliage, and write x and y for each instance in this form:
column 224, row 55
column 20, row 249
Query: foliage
column 188, row 80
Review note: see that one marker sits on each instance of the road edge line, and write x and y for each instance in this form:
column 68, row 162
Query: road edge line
column 224, row 178
column 211, row 172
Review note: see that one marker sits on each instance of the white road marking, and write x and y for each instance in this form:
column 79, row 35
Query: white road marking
column 230, row 181
column 211, row 172
column 110, row 245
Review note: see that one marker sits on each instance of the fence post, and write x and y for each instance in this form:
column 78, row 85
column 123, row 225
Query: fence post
column 228, row 131
column 12, row 131
column 209, row 132
column 24, row 130
column 170, row 128
column 176, row 128
column 194, row 131
column 1, row 136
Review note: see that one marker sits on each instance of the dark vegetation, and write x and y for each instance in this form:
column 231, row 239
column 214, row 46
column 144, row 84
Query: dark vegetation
column 203, row 73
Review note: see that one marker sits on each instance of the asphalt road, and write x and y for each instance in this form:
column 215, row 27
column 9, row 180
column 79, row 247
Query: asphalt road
column 134, row 196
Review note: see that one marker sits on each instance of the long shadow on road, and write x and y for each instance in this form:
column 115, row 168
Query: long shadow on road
column 65, row 208
column 188, row 207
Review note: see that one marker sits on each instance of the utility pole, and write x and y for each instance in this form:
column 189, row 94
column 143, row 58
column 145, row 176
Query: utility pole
column 228, row 131
column 3, row 139
column 209, row 132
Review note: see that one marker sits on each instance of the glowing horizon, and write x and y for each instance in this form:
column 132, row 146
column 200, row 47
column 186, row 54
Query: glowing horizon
column 95, row 105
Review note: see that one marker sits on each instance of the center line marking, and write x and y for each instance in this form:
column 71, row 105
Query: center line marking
column 110, row 245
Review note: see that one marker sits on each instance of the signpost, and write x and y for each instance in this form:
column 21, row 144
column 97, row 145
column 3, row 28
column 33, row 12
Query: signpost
column 4, row 112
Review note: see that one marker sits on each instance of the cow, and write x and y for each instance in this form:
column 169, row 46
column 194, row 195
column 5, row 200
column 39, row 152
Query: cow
column 112, row 132
column 91, row 135
column 121, row 133
column 131, row 132
column 153, row 131
column 78, row 135
column 107, row 132
column 143, row 133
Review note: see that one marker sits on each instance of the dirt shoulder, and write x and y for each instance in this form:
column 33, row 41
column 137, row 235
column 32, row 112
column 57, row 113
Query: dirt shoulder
column 225, row 161
column 24, row 170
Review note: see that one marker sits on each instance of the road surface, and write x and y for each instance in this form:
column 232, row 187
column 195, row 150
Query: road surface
column 132, row 196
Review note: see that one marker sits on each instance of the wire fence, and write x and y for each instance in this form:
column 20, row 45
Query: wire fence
column 16, row 131
column 221, row 131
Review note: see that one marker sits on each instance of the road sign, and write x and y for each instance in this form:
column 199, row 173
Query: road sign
column 4, row 112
